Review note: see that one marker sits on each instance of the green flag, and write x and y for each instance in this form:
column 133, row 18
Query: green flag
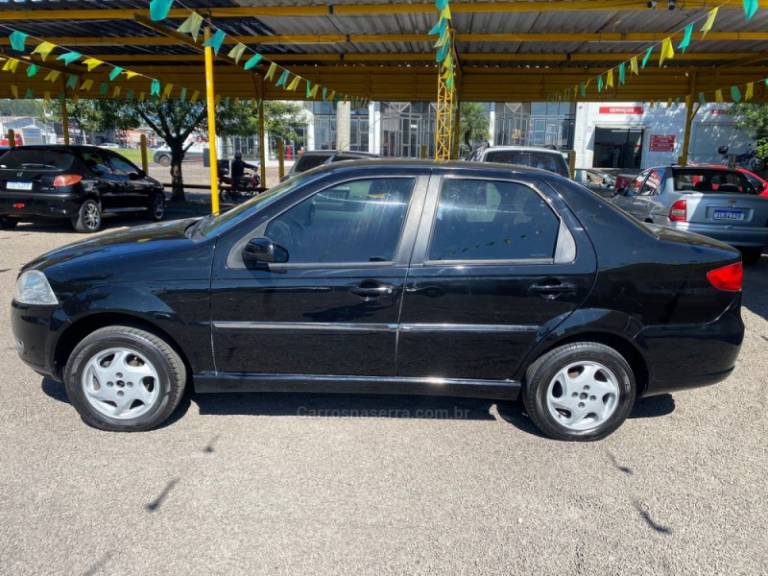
column 735, row 94
column 116, row 71
column 646, row 57
column 191, row 25
column 216, row 41
column 18, row 40
column 750, row 8
column 154, row 89
column 686, row 41
column 159, row 9
column 253, row 61
column 69, row 57
column 32, row 70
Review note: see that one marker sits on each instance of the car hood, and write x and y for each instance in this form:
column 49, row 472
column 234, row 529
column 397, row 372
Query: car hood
column 129, row 254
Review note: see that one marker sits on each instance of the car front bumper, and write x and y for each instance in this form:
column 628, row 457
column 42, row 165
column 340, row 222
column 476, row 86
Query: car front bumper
column 33, row 205
column 35, row 332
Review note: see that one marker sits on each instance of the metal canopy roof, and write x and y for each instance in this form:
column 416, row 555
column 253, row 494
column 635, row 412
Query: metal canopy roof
column 509, row 51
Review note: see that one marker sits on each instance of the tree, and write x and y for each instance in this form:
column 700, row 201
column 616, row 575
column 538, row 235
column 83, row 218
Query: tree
column 21, row 108
column 474, row 125
column 754, row 117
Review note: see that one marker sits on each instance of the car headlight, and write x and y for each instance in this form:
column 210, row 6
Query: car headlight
column 32, row 287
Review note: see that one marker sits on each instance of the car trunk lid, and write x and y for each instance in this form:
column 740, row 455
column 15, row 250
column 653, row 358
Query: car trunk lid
column 25, row 170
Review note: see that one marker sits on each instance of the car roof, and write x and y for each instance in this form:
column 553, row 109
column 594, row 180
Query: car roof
column 59, row 147
column 333, row 152
column 522, row 149
column 442, row 166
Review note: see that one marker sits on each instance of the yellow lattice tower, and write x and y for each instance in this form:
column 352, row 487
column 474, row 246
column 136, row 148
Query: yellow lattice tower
column 447, row 113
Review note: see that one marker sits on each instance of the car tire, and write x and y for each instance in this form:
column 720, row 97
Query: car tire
column 164, row 160
column 751, row 256
column 7, row 223
column 579, row 392
column 121, row 355
column 157, row 206
column 88, row 218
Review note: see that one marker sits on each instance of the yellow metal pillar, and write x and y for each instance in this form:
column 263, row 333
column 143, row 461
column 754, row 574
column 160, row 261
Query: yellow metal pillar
column 211, row 103
column 65, row 116
column 144, row 155
column 262, row 140
column 281, row 158
column 11, row 138
column 447, row 114
column 691, row 108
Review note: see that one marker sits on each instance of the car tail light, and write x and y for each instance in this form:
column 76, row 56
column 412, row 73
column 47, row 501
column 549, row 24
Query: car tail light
column 679, row 211
column 728, row 278
column 64, row 180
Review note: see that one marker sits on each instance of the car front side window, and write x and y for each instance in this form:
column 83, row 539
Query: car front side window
column 481, row 220
column 355, row 222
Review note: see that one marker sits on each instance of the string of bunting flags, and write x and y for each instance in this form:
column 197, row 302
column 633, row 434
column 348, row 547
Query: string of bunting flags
column 618, row 76
column 248, row 58
column 444, row 45
column 19, row 41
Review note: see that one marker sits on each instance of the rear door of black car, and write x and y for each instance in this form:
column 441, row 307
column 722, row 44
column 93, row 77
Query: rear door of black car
column 110, row 186
column 135, row 189
column 497, row 263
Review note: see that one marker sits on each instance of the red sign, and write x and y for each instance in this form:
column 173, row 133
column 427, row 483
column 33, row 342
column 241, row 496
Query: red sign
column 626, row 110
column 662, row 143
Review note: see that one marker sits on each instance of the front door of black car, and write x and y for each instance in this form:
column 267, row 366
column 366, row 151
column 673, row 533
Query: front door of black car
column 110, row 186
column 495, row 264
column 135, row 189
column 332, row 308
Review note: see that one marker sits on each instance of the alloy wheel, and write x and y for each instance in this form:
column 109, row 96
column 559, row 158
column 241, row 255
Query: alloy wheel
column 583, row 395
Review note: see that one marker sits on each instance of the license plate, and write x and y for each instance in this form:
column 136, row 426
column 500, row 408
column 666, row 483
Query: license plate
column 19, row 186
column 729, row 215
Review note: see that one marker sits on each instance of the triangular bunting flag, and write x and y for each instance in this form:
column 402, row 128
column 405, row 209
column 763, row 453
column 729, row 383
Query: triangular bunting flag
column 313, row 94
column 271, row 71
column 69, row 57
column 609, row 79
column 749, row 94
column 159, row 9
column 72, row 81
column 52, row 76
column 32, row 70
column 183, row 94
column 600, row 83
column 667, row 51
column 195, row 96
column 718, row 96
column 14, row 91
column 92, row 63
column 18, row 41
column 294, row 83
column 308, row 92
column 103, row 89
column 191, row 25
column 116, row 71
column 116, row 92
column 750, row 8
column 646, row 57
column 253, row 61
column 237, row 52
column 29, row 94
column 129, row 95
column 325, row 93
column 633, row 65
column 710, row 21
column 622, row 74
column 154, row 88
column 216, row 41
column 702, row 98
column 167, row 90
column 47, row 95
column 131, row 74
column 686, row 41
column 582, row 90
column 10, row 65
column 283, row 78
column 44, row 49
column 86, row 85
column 735, row 94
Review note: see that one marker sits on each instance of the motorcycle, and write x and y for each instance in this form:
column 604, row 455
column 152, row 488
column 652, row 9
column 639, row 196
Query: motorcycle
column 246, row 187
column 748, row 159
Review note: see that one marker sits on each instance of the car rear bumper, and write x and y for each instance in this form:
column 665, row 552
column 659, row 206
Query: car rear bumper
column 692, row 355
column 35, row 335
column 735, row 235
column 27, row 205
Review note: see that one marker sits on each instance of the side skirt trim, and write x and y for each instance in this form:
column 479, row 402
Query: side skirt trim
column 331, row 384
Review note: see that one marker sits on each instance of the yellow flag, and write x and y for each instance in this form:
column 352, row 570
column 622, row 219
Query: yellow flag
column 92, row 63
column 719, row 96
column 313, row 92
column 44, row 49
column 86, row 85
column 294, row 83
column 47, row 95
column 116, row 92
column 710, row 21
column 131, row 74
column 609, row 79
column 633, row 65
column 445, row 13
column 750, row 92
column 10, row 65
column 667, row 51
column 217, row 100
column 195, row 96
column 52, row 76
column 14, row 91
column 167, row 91
column 271, row 71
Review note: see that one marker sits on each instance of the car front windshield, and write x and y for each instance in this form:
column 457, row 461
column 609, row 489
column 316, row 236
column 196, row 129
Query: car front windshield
column 212, row 224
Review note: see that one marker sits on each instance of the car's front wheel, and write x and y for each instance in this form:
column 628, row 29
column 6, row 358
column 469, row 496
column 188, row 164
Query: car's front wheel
column 581, row 391
column 157, row 206
column 88, row 217
column 124, row 379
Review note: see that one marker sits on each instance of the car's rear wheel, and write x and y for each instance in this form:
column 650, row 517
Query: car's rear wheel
column 88, row 217
column 164, row 160
column 751, row 256
column 7, row 223
column 124, row 379
column 581, row 391
column 157, row 206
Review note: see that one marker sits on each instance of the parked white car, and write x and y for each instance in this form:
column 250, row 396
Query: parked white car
column 535, row 157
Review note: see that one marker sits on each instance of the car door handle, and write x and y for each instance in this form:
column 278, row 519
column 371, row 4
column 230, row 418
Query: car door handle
column 373, row 291
column 552, row 289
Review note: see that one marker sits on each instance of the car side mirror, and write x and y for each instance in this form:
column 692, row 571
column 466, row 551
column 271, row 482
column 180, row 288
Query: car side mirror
column 259, row 253
column 622, row 191
column 136, row 175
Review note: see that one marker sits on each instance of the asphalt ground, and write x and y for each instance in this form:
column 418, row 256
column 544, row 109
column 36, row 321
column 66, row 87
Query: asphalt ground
column 299, row 484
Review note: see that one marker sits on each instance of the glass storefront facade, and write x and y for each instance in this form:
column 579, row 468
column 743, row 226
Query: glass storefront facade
column 325, row 126
column 535, row 124
column 407, row 129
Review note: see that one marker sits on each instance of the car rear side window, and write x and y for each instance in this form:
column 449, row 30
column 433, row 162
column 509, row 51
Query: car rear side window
column 706, row 181
column 355, row 222
column 36, row 159
column 553, row 162
column 310, row 161
column 492, row 220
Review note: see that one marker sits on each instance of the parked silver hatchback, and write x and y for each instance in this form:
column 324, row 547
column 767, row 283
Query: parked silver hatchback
column 716, row 202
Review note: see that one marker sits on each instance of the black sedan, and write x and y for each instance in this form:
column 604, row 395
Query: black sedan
column 76, row 183
column 454, row 279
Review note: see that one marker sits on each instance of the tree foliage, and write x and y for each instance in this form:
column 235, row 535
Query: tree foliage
column 474, row 125
column 754, row 117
